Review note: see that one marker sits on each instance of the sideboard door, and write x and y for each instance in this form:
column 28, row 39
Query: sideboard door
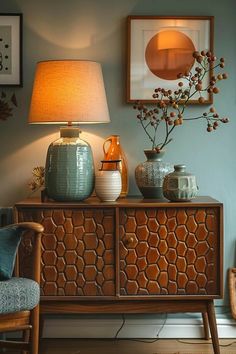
column 169, row 251
column 77, row 251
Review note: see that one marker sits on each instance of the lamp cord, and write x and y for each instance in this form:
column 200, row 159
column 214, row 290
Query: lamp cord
column 141, row 340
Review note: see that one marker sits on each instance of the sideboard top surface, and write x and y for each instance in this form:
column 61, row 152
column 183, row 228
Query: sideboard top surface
column 121, row 202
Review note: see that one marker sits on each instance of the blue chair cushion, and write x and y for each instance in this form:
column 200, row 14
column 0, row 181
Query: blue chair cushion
column 18, row 294
column 9, row 242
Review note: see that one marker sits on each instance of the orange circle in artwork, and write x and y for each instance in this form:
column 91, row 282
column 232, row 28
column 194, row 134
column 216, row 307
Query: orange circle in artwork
column 169, row 53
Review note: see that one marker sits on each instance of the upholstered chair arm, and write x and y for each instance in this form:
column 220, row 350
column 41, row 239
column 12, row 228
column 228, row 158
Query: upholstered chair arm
column 36, row 232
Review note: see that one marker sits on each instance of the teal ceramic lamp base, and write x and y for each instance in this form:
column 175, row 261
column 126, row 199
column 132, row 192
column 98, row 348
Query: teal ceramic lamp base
column 69, row 171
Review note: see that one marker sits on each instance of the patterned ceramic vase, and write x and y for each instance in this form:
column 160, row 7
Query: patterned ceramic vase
column 69, row 171
column 108, row 182
column 149, row 175
column 180, row 186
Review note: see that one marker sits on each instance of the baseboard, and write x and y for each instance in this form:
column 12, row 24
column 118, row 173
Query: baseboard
column 134, row 328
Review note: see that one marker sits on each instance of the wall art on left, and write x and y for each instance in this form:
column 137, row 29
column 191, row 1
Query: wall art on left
column 10, row 49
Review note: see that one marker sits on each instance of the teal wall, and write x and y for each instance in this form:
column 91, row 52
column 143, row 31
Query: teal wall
column 96, row 30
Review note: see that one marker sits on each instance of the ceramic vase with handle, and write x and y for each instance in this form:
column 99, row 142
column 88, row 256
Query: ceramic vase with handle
column 113, row 151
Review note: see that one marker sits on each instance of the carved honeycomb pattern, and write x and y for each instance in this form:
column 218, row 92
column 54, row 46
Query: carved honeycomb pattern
column 168, row 251
column 77, row 251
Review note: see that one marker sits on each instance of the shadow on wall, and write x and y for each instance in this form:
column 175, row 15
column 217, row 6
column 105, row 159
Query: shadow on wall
column 6, row 216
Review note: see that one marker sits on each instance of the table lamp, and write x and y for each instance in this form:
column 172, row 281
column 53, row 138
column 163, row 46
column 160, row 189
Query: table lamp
column 71, row 92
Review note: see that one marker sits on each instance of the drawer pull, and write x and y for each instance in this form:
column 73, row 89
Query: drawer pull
column 128, row 240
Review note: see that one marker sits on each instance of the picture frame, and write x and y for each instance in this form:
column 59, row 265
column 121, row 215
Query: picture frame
column 232, row 290
column 150, row 42
column 11, row 49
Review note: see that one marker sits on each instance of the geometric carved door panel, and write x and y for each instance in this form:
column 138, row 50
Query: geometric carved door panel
column 77, row 251
column 169, row 251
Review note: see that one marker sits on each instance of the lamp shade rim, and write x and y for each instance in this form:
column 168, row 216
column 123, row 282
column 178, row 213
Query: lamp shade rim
column 66, row 122
column 66, row 60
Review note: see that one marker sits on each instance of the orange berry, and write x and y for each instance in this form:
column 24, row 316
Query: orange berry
column 201, row 100
column 176, row 122
column 198, row 87
column 199, row 59
column 216, row 90
column 196, row 54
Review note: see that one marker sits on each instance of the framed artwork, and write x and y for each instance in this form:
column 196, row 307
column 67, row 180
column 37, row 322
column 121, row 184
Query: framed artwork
column 159, row 48
column 10, row 49
column 232, row 290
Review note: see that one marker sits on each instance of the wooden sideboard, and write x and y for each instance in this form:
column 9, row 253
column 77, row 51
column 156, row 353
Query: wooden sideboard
column 129, row 256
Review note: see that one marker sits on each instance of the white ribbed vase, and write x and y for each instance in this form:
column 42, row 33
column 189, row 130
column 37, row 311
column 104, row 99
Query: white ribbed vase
column 108, row 185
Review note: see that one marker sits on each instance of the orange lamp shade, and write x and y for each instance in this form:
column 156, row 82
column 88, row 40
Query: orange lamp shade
column 68, row 91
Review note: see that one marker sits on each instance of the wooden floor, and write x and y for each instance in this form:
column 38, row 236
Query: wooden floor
column 119, row 346
column 93, row 346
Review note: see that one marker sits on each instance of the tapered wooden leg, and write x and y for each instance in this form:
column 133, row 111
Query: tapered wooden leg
column 205, row 325
column 213, row 326
column 35, row 331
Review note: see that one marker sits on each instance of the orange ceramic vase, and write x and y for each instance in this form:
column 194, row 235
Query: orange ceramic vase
column 113, row 151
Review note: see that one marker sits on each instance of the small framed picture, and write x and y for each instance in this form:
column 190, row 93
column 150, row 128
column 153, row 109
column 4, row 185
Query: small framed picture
column 160, row 48
column 10, row 49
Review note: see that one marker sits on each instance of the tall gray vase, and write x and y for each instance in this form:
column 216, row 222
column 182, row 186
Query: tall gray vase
column 150, row 174
column 69, row 172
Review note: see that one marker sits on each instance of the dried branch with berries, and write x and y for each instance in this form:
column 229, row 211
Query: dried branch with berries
column 6, row 105
column 171, row 105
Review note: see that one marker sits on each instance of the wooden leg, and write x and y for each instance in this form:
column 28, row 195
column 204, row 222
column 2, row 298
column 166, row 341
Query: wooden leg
column 35, row 331
column 2, row 337
column 41, row 325
column 213, row 326
column 205, row 325
column 26, row 337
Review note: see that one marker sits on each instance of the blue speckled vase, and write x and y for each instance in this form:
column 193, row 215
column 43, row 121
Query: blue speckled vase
column 149, row 175
column 69, row 172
